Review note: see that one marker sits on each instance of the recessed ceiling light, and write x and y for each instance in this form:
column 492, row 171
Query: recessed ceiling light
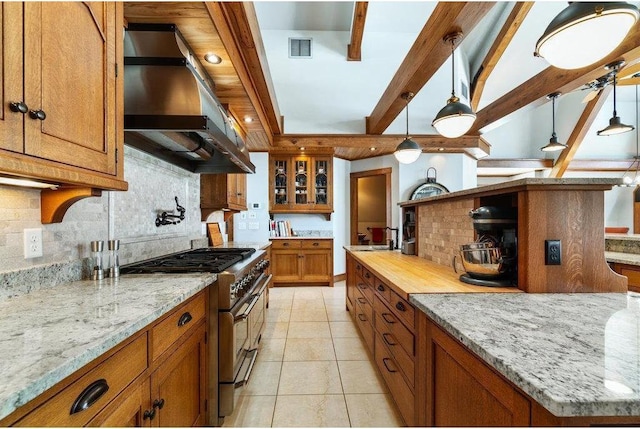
column 302, row 148
column 248, row 119
column 441, row 149
column 212, row 58
column 372, row 149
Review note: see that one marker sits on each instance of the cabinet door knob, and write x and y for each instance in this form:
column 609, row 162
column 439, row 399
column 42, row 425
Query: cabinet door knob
column 37, row 114
column 18, row 107
column 381, row 288
column 149, row 414
column 158, row 403
column 400, row 306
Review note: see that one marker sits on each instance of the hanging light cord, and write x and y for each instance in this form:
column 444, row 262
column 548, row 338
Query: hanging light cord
column 407, row 118
column 453, row 69
column 637, row 158
column 553, row 118
column 615, row 72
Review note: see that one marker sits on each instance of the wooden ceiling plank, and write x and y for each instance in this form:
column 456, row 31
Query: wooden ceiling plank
column 600, row 165
column 579, row 132
column 508, row 31
column 367, row 141
column 354, row 49
column 533, row 92
column 428, row 53
column 234, row 22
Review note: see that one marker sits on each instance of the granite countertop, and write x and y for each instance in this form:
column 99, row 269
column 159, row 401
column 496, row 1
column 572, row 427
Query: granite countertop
column 48, row 334
column 576, row 354
column 297, row 237
column 623, row 258
column 367, row 248
column 236, row 244
column 625, row 237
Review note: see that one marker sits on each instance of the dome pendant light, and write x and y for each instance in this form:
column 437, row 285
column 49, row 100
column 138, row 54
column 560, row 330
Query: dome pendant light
column 456, row 118
column 553, row 144
column 585, row 32
column 627, row 179
column 615, row 126
column 408, row 151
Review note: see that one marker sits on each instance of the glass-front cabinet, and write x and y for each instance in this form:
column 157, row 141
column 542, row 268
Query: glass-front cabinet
column 301, row 184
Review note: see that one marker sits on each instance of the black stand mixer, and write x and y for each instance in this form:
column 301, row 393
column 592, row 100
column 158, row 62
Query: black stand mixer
column 492, row 260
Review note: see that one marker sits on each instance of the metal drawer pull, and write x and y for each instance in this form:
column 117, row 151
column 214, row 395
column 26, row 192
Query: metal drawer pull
column 184, row 319
column 362, row 317
column 384, row 337
column 362, row 301
column 285, row 244
column 37, row 114
column 400, row 306
column 362, row 286
column 149, row 414
column 89, row 396
column 158, row 403
column 384, row 361
column 381, row 288
column 387, row 316
column 316, row 244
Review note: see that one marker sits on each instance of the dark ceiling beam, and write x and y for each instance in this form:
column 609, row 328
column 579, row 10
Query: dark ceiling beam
column 475, row 146
column 237, row 27
column 428, row 53
column 533, row 92
column 579, row 132
column 500, row 44
column 354, row 49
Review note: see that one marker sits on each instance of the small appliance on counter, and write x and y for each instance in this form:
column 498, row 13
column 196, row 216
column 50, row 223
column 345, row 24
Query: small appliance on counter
column 409, row 247
column 492, row 259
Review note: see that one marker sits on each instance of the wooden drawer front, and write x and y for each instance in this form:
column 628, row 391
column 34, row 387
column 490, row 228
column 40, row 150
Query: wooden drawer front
column 367, row 277
column 365, row 305
column 382, row 290
column 403, row 309
column 116, row 372
column 316, row 244
column 632, row 275
column 165, row 333
column 285, row 244
column 364, row 322
column 365, row 289
column 400, row 391
column 398, row 352
column 386, row 321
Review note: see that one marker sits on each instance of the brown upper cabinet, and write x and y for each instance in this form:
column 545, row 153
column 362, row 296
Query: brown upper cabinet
column 61, row 117
column 301, row 184
column 222, row 192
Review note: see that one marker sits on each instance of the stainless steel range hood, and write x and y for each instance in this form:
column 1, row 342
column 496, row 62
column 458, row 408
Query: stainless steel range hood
column 170, row 109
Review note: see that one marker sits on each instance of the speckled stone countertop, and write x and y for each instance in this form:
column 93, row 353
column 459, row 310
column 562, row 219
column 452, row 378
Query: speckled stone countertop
column 300, row 238
column 576, row 354
column 48, row 334
column 622, row 258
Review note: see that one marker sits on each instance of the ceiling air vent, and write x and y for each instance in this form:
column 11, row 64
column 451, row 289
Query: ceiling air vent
column 299, row 48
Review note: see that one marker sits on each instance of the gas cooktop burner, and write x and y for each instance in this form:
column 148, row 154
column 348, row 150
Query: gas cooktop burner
column 213, row 260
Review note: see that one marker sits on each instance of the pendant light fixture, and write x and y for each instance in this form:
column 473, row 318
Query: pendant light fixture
column 553, row 145
column 585, row 32
column 456, row 118
column 408, row 151
column 615, row 126
column 629, row 178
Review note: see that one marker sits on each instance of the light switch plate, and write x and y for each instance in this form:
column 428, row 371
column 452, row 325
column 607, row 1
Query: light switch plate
column 252, row 215
column 243, row 215
column 254, row 225
column 242, row 225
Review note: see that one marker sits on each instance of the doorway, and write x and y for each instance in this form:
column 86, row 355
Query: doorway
column 370, row 206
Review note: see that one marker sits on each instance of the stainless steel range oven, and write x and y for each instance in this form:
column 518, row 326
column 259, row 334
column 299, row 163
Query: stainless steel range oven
column 237, row 311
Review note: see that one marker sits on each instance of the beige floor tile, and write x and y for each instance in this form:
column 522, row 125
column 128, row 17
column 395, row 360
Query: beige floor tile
column 350, row 349
column 264, row 379
column 344, row 329
column 278, row 314
column 303, row 349
column 281, row 292
column 252, row 411
column 335, row 314
column 360, row 376
column 271, row 349
column 335, row 302
column 310, row 411
column 310, row 292
column 280, row 303
column 308, row 304
column 309, row 330
column 309, row 315
column 372, row 410
column 275, row 330
column 309, row 378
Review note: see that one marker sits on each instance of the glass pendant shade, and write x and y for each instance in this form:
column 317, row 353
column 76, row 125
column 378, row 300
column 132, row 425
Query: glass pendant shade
column 454, row 119
column 586, row 32
column 407, row 152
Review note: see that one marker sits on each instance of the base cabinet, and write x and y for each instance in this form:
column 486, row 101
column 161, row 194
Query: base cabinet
column 632, row 272
column 129, row 386
column 302, row 261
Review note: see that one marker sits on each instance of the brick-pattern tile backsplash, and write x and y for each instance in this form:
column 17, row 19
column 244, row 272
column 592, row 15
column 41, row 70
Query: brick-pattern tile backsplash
column 442, row 228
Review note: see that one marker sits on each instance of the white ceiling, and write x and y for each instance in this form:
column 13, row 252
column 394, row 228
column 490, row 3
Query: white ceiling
column 328, row 94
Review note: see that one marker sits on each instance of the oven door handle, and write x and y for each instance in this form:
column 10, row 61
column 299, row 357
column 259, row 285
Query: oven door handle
column 254, row 300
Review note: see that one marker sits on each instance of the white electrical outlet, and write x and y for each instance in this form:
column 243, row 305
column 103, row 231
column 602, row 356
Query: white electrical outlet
column 254, row 225
column 252, row 215
column 242, row 225
column 32, row 243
